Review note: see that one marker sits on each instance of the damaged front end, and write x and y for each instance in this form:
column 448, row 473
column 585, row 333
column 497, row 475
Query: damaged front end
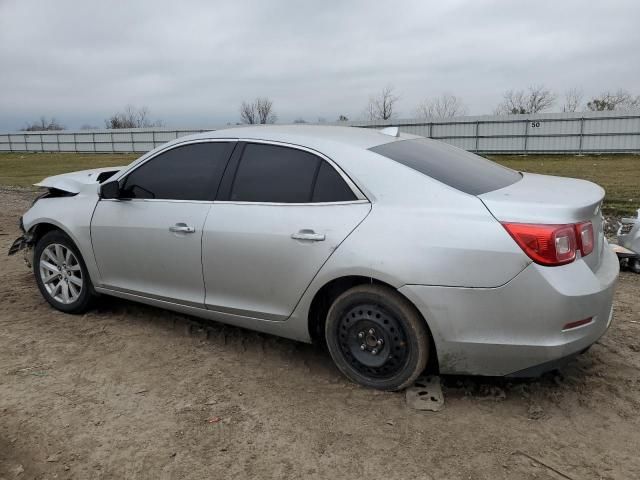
column 57, row 186
column 23, row 243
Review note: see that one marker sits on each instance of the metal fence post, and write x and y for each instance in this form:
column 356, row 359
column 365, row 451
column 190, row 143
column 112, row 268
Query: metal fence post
column 153, row 138
column 41, row 144
column 58, row 141
column 93, row 141
column 581, row 134
column 75, row 142
column 133, row 142
column 477, row 136
column 10, row 144
column 526, row 135
column 113, row 147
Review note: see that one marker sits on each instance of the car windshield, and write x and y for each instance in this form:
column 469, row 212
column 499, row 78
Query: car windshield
column 452, row 166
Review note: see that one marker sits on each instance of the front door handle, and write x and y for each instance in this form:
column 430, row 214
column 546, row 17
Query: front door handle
column 181, row 228
column 309, row 235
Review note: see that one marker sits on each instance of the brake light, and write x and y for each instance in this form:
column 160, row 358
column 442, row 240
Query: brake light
column 549, row 245
column 584, row 234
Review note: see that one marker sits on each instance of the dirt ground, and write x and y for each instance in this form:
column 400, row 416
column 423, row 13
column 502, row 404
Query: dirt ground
column 129, row 391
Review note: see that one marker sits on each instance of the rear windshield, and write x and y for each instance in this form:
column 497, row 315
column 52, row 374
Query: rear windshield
column 452, row 166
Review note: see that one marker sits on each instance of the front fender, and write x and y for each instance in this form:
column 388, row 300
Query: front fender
column 72, row 215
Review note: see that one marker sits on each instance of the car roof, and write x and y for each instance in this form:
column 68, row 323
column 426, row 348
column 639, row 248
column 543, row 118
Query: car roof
column 311, row 136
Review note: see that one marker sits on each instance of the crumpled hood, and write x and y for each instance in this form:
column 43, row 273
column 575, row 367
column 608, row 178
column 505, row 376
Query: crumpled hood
column 74, row 181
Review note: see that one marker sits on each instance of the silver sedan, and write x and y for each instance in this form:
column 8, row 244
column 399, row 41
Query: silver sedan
column 401, row 253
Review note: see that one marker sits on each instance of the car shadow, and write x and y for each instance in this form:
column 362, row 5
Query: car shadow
column 315, row 357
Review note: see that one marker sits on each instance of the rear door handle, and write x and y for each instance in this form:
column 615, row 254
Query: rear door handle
column 181, row 228
column 309, row 235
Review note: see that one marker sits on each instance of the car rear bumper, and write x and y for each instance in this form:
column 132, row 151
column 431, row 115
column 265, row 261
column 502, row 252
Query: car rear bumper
column 517, row 329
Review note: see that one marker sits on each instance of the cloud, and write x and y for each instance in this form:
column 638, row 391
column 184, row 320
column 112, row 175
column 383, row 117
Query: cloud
column 193, row 62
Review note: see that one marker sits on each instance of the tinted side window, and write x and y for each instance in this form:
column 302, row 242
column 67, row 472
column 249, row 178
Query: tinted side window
column 189, row 172
column 330, row 187
column 270, row 173
column 452, row 166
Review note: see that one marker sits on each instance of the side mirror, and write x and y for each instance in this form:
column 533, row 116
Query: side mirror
column 110, row 190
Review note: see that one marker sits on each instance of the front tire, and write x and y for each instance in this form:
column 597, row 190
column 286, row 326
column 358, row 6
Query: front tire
column 61, row 273
column 377, row 338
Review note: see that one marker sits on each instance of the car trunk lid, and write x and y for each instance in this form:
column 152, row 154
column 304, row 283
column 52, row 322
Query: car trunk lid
column 544, row 199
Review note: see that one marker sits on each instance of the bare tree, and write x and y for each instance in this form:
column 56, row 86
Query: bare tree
column 619, row 100
column 248, row 113
column 299, row 120
column 265, row 110
column 444, row 106
column 258, row 111
column 572, row 100
column 343, row 118
column 380, row 106
column 535, row 100
column 132, row 117
column 43, row 124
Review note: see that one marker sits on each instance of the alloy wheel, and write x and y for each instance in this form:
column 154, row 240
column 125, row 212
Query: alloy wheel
column 61, row 273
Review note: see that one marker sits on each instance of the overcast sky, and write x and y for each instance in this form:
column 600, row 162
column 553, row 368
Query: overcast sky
column 193, row 62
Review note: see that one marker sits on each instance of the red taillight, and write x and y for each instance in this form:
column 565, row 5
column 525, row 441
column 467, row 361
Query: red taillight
column 584, row 234
column 549, row 245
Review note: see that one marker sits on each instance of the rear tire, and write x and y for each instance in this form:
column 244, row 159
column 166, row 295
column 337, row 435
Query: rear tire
column 377, row 338
column 61, row 273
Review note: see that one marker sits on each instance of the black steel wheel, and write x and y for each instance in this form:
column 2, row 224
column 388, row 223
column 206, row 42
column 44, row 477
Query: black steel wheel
column 377, row 338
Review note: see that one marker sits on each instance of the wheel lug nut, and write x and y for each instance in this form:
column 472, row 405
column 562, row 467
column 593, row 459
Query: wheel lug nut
column 374, row 351
column 380, row 342
column 371, row 331
column 363, row 347
column 361, row 335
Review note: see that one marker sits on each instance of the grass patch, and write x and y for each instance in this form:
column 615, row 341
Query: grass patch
column 618, row 174
column 25, row 169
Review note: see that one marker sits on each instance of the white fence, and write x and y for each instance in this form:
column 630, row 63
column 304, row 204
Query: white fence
column 592, row 132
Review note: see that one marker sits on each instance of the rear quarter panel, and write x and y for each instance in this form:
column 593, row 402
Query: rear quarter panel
column 420, row 232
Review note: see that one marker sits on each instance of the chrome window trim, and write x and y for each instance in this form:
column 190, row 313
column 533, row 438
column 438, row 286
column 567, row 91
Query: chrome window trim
column 360, row 197
column 131, row 168
column 172, row 200
column 308, row 204
column 233, row 202
column 350, row 183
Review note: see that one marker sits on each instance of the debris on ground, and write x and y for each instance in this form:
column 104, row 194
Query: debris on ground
column 426, row 394
column 535, row 412
column 492, row 393
column 54, row 457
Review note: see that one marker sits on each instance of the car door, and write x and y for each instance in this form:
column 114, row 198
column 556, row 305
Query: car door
column 281, row 212
column 148, row 241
